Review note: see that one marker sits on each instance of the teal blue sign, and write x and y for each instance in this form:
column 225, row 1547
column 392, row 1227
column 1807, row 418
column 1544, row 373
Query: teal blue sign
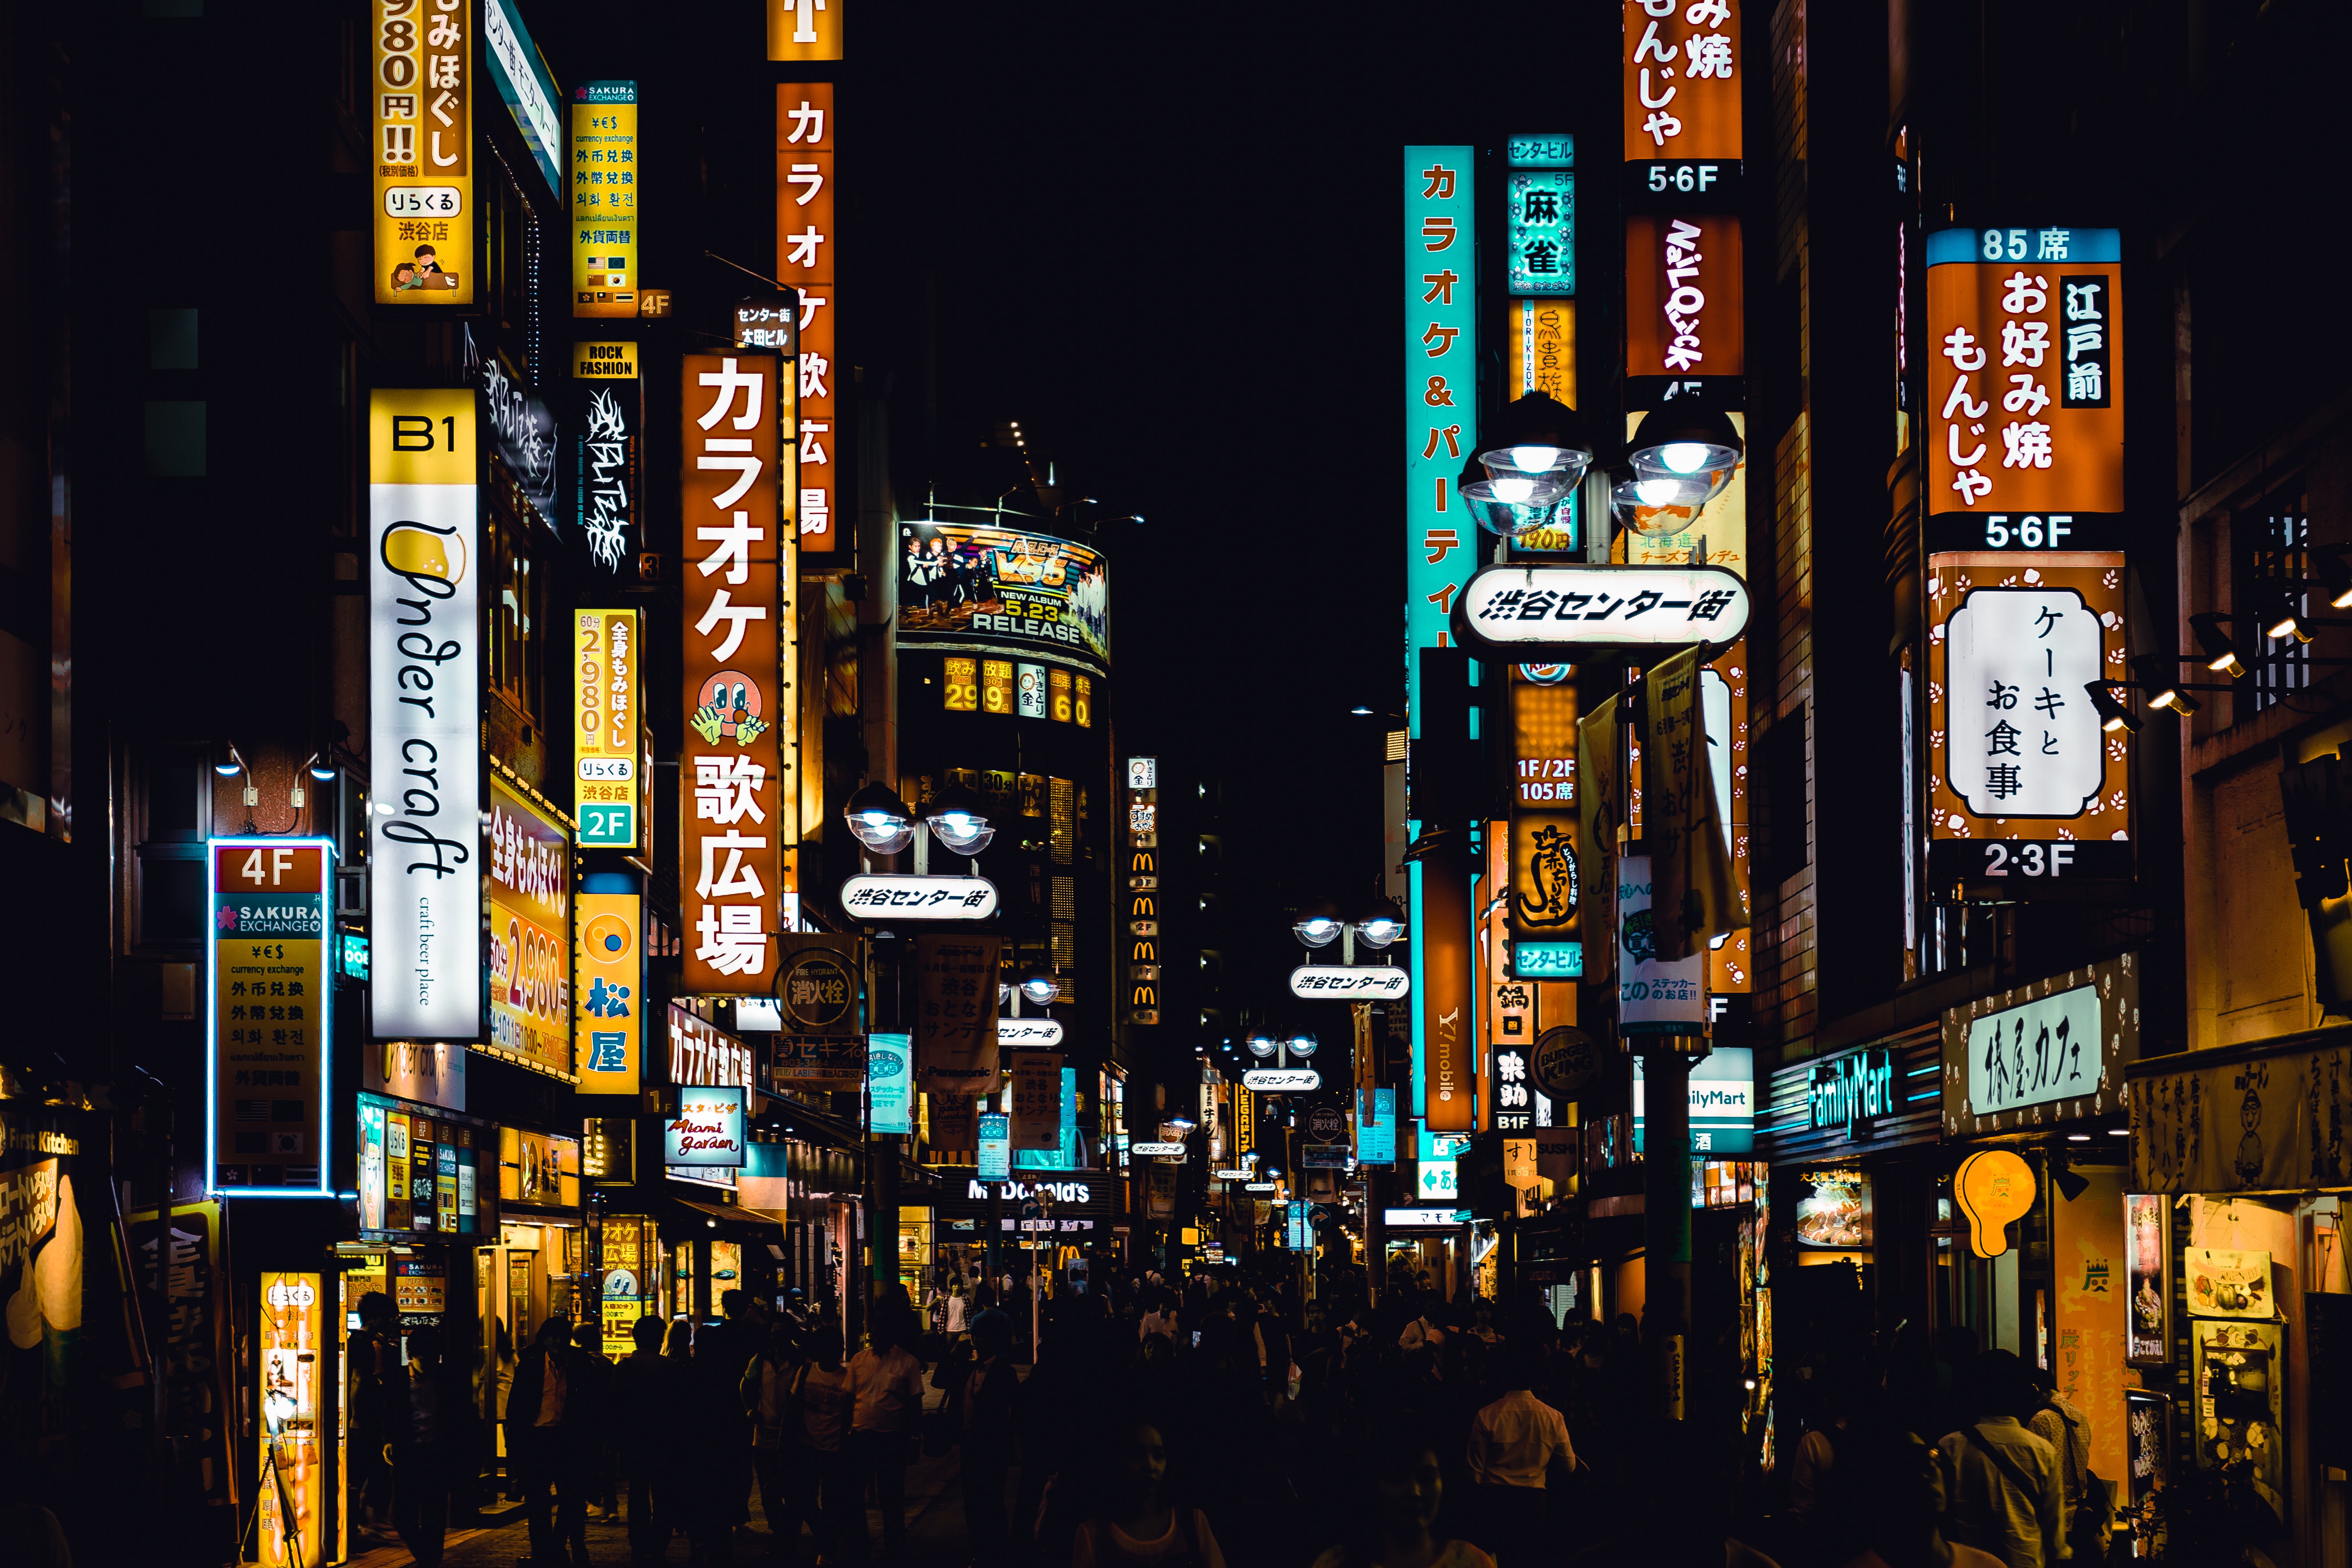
column 996, row 1146
column 1547, row 959
column 1539, row 231
column 890, row 1082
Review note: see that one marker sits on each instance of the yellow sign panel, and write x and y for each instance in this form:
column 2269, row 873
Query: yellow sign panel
column 1995, row 1187
column 420, row 99
column 962, row 680
column 605, row 728
column 528, row 858
column 996, row 685
column 1543, row 349
column 608, row 1028
column 604, row 171
column 804, row 29
column 604, row 361
column 294, row 1358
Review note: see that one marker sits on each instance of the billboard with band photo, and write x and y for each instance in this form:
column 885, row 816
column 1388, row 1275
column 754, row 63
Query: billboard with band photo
column 980, row 586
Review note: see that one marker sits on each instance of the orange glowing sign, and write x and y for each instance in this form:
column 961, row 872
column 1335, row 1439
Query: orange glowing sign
column 1683, row 69
column 1995, row 1187
column 293, row 1360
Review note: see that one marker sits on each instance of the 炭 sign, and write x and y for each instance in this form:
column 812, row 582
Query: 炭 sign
column 980, row 588
column 421, row 98
column 266, row 1023
column 604, row 737
column 2026, row 788
column 2024, row 397
column 731, row 872
column 1518, row 611
column 707, row 1130
column 608, row 1024
column 604, row 198
column 1349, row 983
column 806, row 140
column 527, row 956
column 424, row 716
column 880, row 895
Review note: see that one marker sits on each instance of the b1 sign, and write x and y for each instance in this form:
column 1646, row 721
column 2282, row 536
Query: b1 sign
column 1520, row 612
column 909, row 898
column 1341, row 983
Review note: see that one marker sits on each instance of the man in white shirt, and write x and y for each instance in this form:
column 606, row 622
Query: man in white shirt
column 1514, row 1442
column 2004, row 1495
column 886, row 1384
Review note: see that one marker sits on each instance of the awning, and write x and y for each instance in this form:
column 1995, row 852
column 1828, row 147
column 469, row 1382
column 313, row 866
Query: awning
column 2266, row 1117
column 738, row 1211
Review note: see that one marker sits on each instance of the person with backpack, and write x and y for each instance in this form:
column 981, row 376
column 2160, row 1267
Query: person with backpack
column 2083, row 1496
column 2003, row 1492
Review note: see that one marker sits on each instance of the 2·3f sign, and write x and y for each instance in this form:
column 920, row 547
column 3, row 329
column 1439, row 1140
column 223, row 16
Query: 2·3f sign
column 2030, row 859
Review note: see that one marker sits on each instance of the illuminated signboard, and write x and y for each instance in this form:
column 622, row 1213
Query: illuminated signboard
column 1684, row 321
column 1441, row 391
column 702, row 1054
column 2045, row 1052
column 971, row 586
column 1519, row 611
column 421, row 1171
column 293, row 1359
column 604, row 739
column 1683, row 65
column 1722, row 1103
column 708, row 1131
column 608, row 1031
column 1376, row 1133
column 520, row 73
column 1547, row 959
column 1850, row 1089
column 890, row 1082
column 806, row 140
column 1343, row 983
column 268, row 1020
column 2026, row 789
column 421, row 98
column 886, row 894
column 604, row 166
column 1540, row 233
column 804, row 29
column 424, row 716
column 731, row 869
column 2024, row 398
column 996, row 1146
column 527, row 963
column 606, row 483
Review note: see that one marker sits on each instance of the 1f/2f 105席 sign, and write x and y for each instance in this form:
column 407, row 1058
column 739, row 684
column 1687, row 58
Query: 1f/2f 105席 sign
column 1521, row 612
column 1348, row 982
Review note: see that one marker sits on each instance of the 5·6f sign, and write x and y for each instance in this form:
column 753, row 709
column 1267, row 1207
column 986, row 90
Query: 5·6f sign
column 424, row 716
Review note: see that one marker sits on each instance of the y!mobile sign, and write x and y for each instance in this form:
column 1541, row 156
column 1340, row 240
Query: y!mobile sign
column 424, row 708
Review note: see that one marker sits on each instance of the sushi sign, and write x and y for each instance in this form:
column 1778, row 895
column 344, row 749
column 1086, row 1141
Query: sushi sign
column 1852, row 1090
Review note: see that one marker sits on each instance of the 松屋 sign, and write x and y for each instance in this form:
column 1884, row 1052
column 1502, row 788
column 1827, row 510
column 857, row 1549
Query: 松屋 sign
column 2024, row 392
column 879, row 894
column 1522, row 612
column 2026, row 788
column 608, row 972
column 424, row 716
column 1349, row 983
column 708, row 1128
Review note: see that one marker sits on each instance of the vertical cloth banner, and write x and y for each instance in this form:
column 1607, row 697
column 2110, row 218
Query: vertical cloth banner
column 1037, row 1100
column 955, row 1014
column 1694, row 895
column 730, row 871
column 1600, row 808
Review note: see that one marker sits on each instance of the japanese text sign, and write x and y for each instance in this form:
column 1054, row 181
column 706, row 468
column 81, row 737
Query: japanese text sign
column 996, row 1141
column 2024, row 386
column 731, row 872
column 2048, row 1051
column 806, row 140
column 703, row 1053
column 520, row 73
column 1540, row 237
column 2016, row 748
column 608, row 1035
column 425, row 715
column 804, row 29
column 879, row 895
column 266, row 1022
column 1654, row 995
column 890, row 1083
column 955, row 1013
column 288, row 1516
column 1686, row 322
column 1520, row 611
column 528, row 964
column 421, row 98
column 1682, row 80
column 604, row 734
column 1722, row 1103
column 1441, row 391
column 707, row 1130
column 1036, row 1105
column 603, row 176
column 420, row 1171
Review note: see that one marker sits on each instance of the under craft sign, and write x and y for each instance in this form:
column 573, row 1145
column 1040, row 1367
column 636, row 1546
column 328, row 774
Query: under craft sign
column 1340, row 982
column 1519, row 611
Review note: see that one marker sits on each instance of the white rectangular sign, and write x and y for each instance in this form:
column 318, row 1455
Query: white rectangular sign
column 2031, row 1055
column 2024, row 740
column 1157, row 1150
column 1510, row 608
column 1343, row 983
column 424, row 716
column 1277, row 1080
column 1653, row 998
column 1397, row 1218
column 1028, row 1031
column 886, row 894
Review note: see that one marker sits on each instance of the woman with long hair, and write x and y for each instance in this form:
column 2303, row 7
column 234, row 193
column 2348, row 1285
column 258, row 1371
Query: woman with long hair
column 1396, row 1526
column 1131, row 1521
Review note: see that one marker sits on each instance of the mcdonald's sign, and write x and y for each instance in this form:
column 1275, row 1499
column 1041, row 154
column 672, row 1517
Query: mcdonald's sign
column 1142, row 888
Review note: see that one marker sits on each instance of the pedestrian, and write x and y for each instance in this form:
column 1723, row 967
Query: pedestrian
column 541, row 1443
column 886, row 1382
column 1821, row 1524
column 377, row 1386
column 641, row 1422
column 719, row 1492
column 2004, row 1495
column 1515, row 1444
column 1134, row 1524
column 1896, row 1488
column 594, row 1389
column 983, row 1400
column 770, row 1394
column 418, row 1421
column 819, row 1490
column 1395, row 1527
column 2084, row 1522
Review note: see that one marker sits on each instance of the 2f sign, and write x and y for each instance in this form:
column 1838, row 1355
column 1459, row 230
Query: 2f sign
column 266, row 868
column 2028, row 859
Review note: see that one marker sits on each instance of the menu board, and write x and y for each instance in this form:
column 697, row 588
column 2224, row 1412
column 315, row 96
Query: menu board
column 419, row 1170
